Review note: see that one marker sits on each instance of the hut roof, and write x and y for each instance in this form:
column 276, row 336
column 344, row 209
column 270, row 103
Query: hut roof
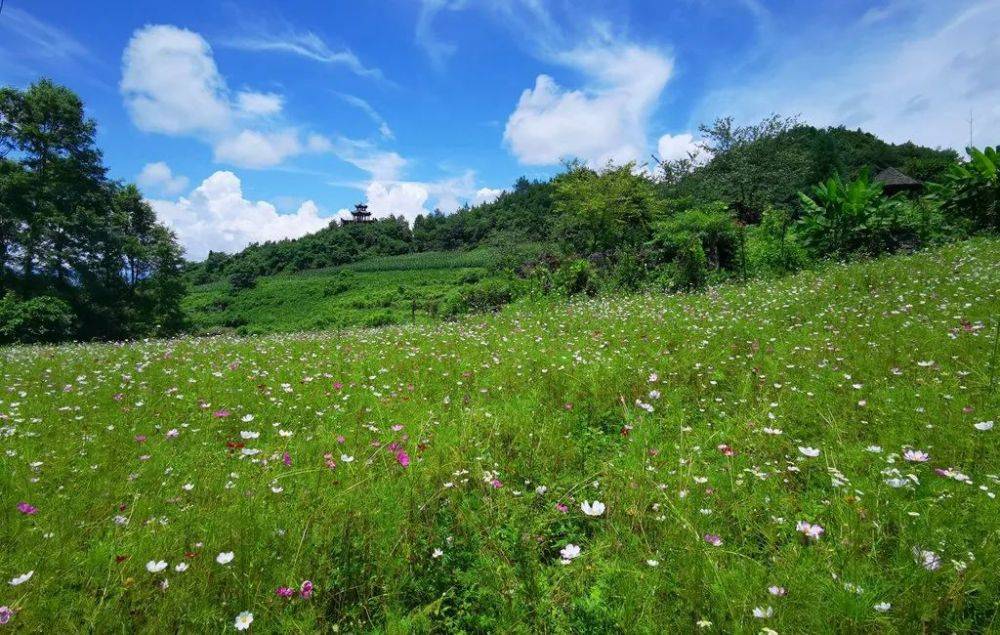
column 892, row 176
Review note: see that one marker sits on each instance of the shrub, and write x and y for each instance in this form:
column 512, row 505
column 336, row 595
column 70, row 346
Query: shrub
column 40, row 319
column 711, row 225
column 970, row 192
column 692, row 266
column 242, row 279
column 773, row 246
column 575, row 276
column 489, row 295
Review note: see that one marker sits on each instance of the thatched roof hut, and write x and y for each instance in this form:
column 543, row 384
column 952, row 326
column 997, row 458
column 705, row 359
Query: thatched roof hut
column 893, row 182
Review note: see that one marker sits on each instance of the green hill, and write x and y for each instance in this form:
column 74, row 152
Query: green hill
column 378, row 291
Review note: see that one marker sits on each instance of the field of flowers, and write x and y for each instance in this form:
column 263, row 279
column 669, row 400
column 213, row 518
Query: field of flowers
column 812, row 454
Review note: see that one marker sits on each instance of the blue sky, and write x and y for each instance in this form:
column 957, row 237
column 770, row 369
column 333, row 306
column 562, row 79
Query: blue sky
column 259, row 120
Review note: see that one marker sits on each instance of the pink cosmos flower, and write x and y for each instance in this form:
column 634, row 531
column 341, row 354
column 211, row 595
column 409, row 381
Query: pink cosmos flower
column 809, row 530
column 562, row 507
column 26, row 509
column 341, row 439
column 140, row 438
column 284, row 592
column 286, row 458
column 713, row 539
column 220, row 414
column 725, row 449
column 916, row 456
column 496, row 483
column 5, row 614
column 403, row 458
column 306, row 589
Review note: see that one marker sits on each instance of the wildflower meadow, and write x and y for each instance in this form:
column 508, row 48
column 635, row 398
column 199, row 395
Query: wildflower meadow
column 811, row 454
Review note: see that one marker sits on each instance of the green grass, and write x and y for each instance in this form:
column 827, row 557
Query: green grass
column 893, row 353
column 374, row 292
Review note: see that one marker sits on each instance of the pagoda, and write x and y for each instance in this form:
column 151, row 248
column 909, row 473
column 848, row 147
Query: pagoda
column 359, row 214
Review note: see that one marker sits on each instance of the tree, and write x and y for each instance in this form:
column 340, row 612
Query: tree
column 70, row 234
column 756, row 165
column 604, row 211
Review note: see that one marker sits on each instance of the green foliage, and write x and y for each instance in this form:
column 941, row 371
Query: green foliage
column 711, row 225
column 773, row 246
column 970, row 192
column 575, row 276
column 242, row 279
column 604, row 211
column 853, row 217
column 38, row 319
column 68, row 232
column 691, row 265
column 383, row 290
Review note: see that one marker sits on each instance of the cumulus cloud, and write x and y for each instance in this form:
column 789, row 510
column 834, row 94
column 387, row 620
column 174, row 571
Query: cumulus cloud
column 171, row 85
column 604, row 120
column 486, row 195
column 159, row 178
column 217, row 217
column 673, row 147
column 259, row 104
column 253, row 149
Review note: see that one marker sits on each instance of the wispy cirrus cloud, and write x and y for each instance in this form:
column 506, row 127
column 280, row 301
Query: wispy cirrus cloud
column 304, row 44
column 921, row 79
column 37, row 38
column 383, row 127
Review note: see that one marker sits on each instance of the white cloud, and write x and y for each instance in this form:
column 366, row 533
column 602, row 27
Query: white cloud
column 486, row 195
column 255, row 104
column 171, row 84
column 382, row 165
column 217, row 217
column 252, row 149
column 605, row 120
column 365, row 107
column 437, row 49
column 36, row 38
column 673, row 147
column 920, row 84
column 159, row 178
column 407, row 199
column 307, row 45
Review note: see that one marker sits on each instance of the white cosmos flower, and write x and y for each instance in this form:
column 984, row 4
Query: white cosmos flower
column 810, row 452
column 882, row 607
column 653, row 563
column 243, row 621
column 225, row 558
column 21, row 579
column 155, row 567
column 983, row 426
column 285, row 433
column 569, row 552
column 247, row 434
column 345, row 458
column 181, row 567
column 916, row 456
column 763, row 613
column 437, row 553
column 592, row 509
column 247, row 418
